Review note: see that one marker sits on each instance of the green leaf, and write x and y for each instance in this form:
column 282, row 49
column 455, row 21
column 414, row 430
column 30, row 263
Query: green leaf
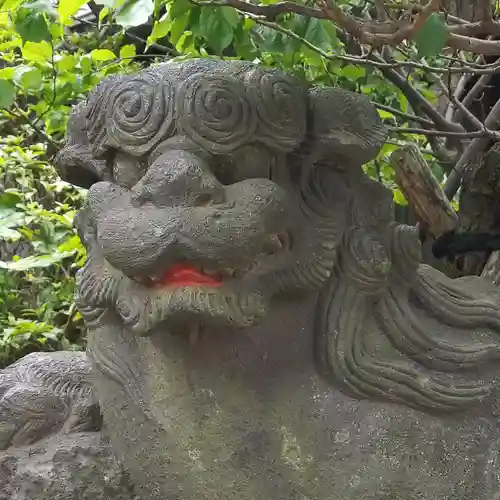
column 67, row 63
column 178, row 27
column 127, row 51
column 185, row 43
column 104, row 12
column 111, row 4
column 9, row 199
column 44, row 6
column 216, row 30
column 32, row 27
column 85, row 65
column 35, row 261
column 297, row 24
column 19, row 72
column 69, row 7
column 321, row 34
column 56, row 30
column 385, row 114
column 102, row 55
column 71, row 244
column 31, row 79
column 10, row 4
column 134, row 13
column 432, row 36
column 7, row 73
column 37, row 52
column 352, row 72
column 9, row 220
column 272, row 41
column 8, row 234
column 231, row 16
column 179, row 7
column 7, row 94
column 399, row 197
column 160, row 29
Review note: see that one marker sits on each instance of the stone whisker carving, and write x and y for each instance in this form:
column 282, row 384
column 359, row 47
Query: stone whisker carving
column 259, row 326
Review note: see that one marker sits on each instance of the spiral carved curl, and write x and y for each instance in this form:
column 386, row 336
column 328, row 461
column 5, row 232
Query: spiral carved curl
column 281, row 104
column 214, row 113
column 133, row 114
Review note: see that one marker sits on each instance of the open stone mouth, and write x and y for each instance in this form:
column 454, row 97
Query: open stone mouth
column 186, row 274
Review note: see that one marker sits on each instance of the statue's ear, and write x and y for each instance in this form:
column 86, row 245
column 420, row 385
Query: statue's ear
column 75, row 162
column 76, row 165
column 345, row 124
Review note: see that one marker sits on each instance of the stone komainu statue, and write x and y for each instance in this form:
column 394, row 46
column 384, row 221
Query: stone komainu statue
column 252, row 305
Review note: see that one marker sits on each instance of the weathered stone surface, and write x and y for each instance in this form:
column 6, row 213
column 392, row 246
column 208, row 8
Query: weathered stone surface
column 44, row 394
column 79, row 466
column 259, row 326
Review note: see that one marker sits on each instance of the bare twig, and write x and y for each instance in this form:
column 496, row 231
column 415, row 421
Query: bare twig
column 472, row 153
column 478, row 134
column 408, row 116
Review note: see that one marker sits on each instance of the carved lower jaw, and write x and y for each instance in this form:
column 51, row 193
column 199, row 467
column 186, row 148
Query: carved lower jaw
column 182, row 294
column 231, row 304
column 236, row 298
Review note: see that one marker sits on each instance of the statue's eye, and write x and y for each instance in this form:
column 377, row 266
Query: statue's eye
column 127, row 170
column 249, row 162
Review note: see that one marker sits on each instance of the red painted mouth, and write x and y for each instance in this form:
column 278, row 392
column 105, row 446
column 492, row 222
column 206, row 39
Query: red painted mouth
column 186, row 275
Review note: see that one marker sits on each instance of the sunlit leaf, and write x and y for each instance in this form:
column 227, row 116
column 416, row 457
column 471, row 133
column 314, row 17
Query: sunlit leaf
column 178, row 27
column 35, row 261
column 384, row 114
column 399, row 197
column 85, row 65
column 104, row 12
column 68, row 8
column 10, row 4
column 7, row 73
column 56, row 30
column 160, row 28
column 37, row 52
column 71, row 244
column 67, row 63
column 127, row 51
column 111, row 4
column 134, row 13
column 102, row 55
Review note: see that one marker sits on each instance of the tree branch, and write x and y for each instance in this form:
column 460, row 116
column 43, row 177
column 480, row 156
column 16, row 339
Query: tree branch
column 462, row 36
column 472, row 153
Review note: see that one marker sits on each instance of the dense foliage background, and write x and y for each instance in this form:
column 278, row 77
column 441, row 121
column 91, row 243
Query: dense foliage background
column 418, row 63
